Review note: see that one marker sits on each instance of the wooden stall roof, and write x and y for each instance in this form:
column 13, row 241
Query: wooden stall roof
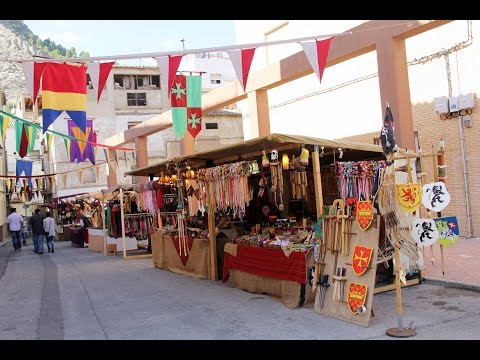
column 252, row 147
column 117, row 188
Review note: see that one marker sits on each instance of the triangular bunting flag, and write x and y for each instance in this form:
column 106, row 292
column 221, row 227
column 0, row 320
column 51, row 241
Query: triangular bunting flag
column 168, row 66
column 317, row 54
column 33, row 72
column 83, row 137
column 98, row 74
column 23, row 145
column 64, row 88
column 48, row 139
column 242, row 60
column 67, row 146
column 3, row 127
column 32, row 137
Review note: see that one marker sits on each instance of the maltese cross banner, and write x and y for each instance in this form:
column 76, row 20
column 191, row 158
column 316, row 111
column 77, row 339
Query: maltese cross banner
column 186, row 100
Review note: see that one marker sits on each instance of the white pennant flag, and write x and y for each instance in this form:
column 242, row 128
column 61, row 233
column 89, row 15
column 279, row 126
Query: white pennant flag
column 33, row 72
column 242, row 60
column 317, row 54
column 168, row 66
column 99, row 74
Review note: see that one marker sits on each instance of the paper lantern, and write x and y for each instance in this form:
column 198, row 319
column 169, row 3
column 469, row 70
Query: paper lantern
column 285, row 162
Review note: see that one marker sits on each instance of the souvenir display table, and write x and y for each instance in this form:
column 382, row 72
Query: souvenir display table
column 166, row 251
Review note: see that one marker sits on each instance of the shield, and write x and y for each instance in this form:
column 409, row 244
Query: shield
column 357, row 294
column 435, row 196
column 364, row 214
column 409, row 196
column 424, row 231
column 361, row 259
column 448, row 230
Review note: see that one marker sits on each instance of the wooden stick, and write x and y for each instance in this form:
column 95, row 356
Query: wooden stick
column 439, row 213
column 398, row 287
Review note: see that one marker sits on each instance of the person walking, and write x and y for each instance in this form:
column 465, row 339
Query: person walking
column 36, row 222
column 14, row 221
column 24, row 230
column 49, row 228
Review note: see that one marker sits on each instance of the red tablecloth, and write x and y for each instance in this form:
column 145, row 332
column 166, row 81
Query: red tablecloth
column 267, row 262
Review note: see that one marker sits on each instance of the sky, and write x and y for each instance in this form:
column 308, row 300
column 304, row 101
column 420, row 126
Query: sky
column 121, row 37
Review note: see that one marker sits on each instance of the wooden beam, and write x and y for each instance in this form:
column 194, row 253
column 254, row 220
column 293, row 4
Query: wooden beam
column 363, row 39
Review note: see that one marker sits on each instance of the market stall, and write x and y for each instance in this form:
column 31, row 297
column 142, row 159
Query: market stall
column 287, row 171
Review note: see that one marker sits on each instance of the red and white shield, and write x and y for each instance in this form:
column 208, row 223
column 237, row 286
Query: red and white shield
column 357, row 294
column 361, row 259
column 364, row 214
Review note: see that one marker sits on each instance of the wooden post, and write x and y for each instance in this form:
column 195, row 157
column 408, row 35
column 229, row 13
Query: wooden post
column 122, row 219
column 317, row 179
column 104, row 226
column 212, row 236
column 398, row 286
column 440, row 156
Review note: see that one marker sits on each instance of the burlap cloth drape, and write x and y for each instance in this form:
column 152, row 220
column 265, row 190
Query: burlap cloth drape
column 165, row 256
column 290, row 292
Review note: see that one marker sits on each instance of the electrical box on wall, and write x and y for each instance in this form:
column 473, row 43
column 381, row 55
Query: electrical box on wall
column 441, row 105
column 453, row 103
column 466, row 101
column 467, row 121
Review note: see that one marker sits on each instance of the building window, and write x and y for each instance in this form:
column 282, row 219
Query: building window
column 89, row 82
column 28, row 105
column 133, row 123
column 137, row 99
column 155, row 81
column 118, row 81
column 215, row 79
column 211, row 126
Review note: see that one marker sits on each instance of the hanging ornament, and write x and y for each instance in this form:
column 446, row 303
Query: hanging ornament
column 274, row 157
column 304, row 156
column 265, row 162
column 285, row 162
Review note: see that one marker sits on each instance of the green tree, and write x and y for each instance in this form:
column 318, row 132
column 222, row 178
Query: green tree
column 55, row 54
column 84, row 54
column 71, row 53
column 39, row 43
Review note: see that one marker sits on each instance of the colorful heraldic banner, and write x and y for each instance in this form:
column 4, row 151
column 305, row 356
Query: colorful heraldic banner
column 409, row 196
column 186, row 99
column 24, row 168
column 80, row 151
column 424, row 232
column 64, row 88
column 448, row 230
column 357, row 294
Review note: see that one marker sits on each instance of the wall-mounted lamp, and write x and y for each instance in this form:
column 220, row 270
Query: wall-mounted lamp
column 442, row 144
column 285, row 161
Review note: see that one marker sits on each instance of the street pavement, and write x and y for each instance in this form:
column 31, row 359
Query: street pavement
column 78, row 294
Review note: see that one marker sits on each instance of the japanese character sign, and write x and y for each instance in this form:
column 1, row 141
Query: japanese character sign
column 435, row 196
column 424, row 231
column 409, row 196
column 448, row 230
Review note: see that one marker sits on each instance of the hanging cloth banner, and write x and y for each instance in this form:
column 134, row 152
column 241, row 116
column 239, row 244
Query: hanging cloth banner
column 448, row 230
column 33, row 72
column 80, row 151
column 387, row 134
column 64, row 88
column 242, row 60
column 186, row 99
column 22, row 139
column 23, row 168
column 98, row 75
column 3, row 127
column 168, row 66
column 317, row 54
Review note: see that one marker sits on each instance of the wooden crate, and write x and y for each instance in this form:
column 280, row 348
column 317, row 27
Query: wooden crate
column 112, row 249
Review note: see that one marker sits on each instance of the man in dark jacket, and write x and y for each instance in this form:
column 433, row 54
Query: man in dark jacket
column 36, row 223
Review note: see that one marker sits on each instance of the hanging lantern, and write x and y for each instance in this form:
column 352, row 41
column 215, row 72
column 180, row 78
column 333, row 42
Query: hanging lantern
column 285, row 162
column 192, row 174
column 304, row 156
column 174, row 178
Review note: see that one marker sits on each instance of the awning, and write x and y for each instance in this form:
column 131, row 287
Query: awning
column 254, row 147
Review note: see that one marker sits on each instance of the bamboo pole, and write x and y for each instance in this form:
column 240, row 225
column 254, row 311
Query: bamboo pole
column 122, row 219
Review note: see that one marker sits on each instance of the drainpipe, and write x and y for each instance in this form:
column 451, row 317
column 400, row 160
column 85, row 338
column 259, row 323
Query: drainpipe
column 465, row 176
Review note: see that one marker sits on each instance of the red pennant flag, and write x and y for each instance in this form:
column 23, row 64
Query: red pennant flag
column 194, row 121
column 22, row 152
column 98, row 74
column 317, row 53
column 168, row 66
column 242, row 60
column 33, row 72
